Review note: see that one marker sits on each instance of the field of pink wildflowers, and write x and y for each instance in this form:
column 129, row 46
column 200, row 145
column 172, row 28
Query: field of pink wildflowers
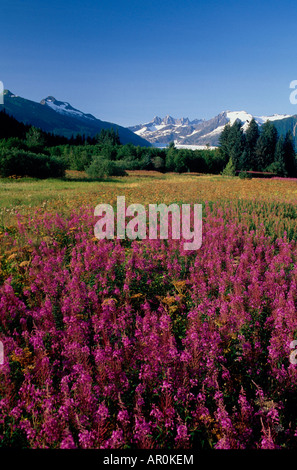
column 140, row 344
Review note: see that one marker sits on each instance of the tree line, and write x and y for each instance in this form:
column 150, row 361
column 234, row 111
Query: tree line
column 258, row 149
column 28, row 151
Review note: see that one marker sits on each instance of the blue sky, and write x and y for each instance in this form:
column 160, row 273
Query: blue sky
column 127, row 61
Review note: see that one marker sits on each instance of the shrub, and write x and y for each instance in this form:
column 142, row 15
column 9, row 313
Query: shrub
column 245, row 175
column 22, row 163
column 13, row 142
column 229, row 169
column 158, row 163
column 278, row 168
column 102, row 168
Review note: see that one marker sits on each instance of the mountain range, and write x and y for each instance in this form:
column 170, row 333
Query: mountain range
column 200, row 132
column 60, row 118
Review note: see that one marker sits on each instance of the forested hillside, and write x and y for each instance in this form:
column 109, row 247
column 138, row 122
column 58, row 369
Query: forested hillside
column 28, row 151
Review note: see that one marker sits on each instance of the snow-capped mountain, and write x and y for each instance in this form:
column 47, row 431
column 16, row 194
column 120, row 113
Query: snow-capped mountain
column 65, row 108
column 166, row 130
column 199, row 132
column 60, row 118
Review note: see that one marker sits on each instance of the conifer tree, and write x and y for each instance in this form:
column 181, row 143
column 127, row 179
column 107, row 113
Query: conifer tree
column 251, row 138
column 289, row 155
column 245, row 160
column 265, row 148
column 224, row 143
column 171, row 154
column 236, row 142
column 230, row 169
column 279, row 157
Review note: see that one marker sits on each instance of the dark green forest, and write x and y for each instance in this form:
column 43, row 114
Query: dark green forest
column 257, row 149
column 28, row 151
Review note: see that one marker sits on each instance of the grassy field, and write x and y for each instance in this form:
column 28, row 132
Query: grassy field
column 276, row 198
column 27, row 194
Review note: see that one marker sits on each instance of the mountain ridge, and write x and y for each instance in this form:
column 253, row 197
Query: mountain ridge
column 203, row 132
column 60, row 118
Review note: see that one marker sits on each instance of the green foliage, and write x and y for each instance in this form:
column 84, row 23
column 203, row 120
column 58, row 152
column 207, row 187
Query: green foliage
column 236, row 141
column 108, row 136
column 13, row 142
column 278, row 166
column 266, row 145
column 213, row 161
column 35, row 139
column 257, row 150
column 181, row 161
column 199, row 161
column 230, row 169
column 103, row 155
column 290, row 158
column 170, row 159
column 245, row 161
column 231, row 143
column 224, row 143
column 109, row 151
column 21, row 163
column 158, row 163
column 79, row 152
column 101, row 168
column 251, row 137
column 78, row 158
column 244, row 175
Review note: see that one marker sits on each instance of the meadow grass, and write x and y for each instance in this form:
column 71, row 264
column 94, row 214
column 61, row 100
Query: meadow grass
column 267, row 202
column 148, row 187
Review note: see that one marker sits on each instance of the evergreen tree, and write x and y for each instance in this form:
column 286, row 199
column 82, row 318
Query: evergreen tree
column 245, row 160
column 224, row 143
column 289, row 155
column 108, row 136
column 279, row 165
column 171, row 154
column 230, row 169
column 265, row 148
column 251, row 138
column 231, row 143
column 236, row 142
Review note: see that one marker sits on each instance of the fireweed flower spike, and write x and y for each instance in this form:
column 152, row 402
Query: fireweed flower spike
column 141, row 343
